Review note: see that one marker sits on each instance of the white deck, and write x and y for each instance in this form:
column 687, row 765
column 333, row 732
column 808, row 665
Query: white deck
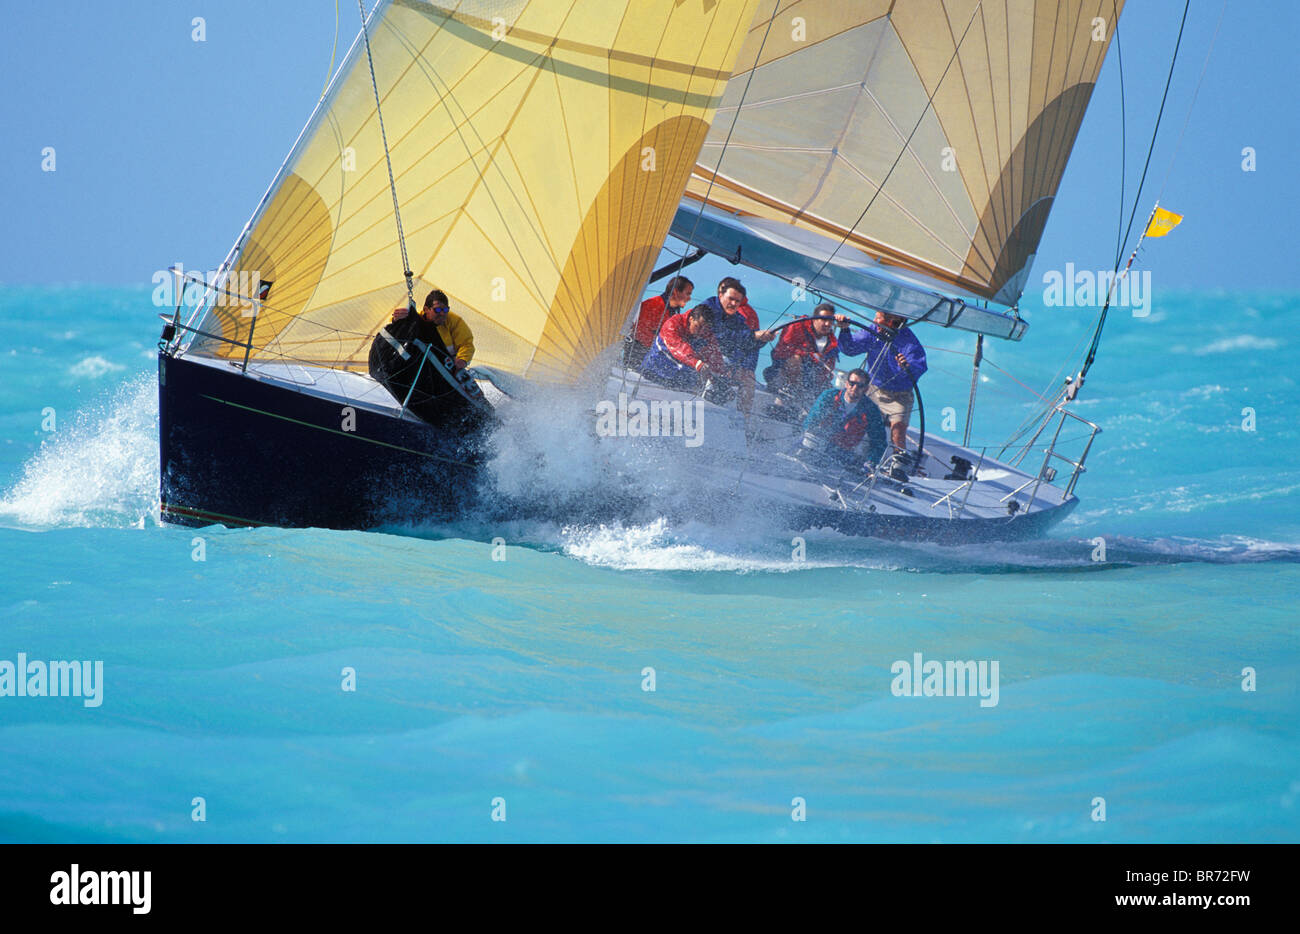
column 343, row 386
column 757, row 454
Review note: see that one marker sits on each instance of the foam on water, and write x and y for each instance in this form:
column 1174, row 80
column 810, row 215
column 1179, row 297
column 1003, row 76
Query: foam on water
column 549, row 463
column 545, row 449
column 659, row 546
column 100, row 471
column 553, row 485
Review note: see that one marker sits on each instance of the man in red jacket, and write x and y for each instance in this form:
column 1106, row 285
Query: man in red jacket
column 803, row 361
column 654, row 311
column 685, row 352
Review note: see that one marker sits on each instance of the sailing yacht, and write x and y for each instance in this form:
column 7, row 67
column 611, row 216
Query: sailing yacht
column 532, row 161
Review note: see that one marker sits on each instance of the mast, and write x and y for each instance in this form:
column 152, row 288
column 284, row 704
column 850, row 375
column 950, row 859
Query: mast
column 974, row 382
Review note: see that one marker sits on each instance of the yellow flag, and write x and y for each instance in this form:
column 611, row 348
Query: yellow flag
column 1162, row 222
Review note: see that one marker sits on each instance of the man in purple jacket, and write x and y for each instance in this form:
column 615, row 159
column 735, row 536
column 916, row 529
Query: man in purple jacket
column 895, row 361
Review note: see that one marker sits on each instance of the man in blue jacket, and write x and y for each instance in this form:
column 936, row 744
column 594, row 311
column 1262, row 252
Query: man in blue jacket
column 895, row 361
column 840, row 419
column 735, row 324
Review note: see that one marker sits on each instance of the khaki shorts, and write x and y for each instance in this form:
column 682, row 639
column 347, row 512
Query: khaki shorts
column 895, row 406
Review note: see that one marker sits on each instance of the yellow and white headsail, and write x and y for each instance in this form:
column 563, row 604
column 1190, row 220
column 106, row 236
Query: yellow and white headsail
column 978, row 103
column 540, row 149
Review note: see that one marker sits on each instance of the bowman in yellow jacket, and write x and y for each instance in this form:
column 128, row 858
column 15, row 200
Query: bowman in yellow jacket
column 451, row 328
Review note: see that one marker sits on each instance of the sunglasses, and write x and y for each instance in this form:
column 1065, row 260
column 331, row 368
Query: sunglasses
column 439, row 309
column 857, row 383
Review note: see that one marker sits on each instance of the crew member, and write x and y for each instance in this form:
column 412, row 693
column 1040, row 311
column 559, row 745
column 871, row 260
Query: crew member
column 735, row 324
column 398, row 365
column 840, row 419
column 654, row 311
column 803, row 360
column 895, row 360
column 685, row 352
column 437, row 318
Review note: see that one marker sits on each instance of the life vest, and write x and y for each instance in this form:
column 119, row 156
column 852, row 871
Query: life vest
column 851, row 431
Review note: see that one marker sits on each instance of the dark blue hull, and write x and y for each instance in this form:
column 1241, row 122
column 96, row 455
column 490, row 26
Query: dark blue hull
column 241, row 451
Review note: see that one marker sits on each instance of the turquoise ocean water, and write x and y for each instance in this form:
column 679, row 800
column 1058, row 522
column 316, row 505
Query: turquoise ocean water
column 516, row 688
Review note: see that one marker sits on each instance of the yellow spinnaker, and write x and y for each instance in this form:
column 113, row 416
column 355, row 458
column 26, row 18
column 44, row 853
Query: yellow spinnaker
column 540, row 149
column 960, row 113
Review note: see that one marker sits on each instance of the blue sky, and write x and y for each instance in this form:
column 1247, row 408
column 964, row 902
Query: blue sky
column 163, row 145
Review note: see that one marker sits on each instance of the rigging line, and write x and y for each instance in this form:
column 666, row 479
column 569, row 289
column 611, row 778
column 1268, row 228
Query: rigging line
column 1123, row 138
column 201, row 310
column 392, row 183
column 466, row 120
column 1190, row 107
column 334, row 49
column 1155, row 131
column 1137, row 198
column 1032, row 420
column 897, row 159
column 952, row 350
column 1064, row 393
column 1012, row 377
column 690, row 241
column 1029, row 423
column 1050, row 401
